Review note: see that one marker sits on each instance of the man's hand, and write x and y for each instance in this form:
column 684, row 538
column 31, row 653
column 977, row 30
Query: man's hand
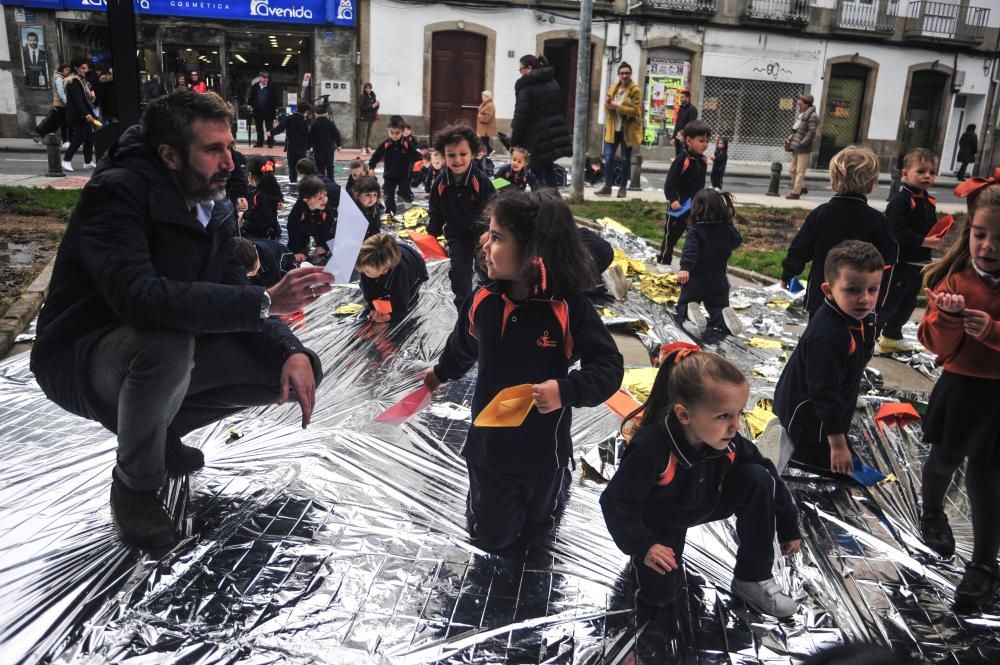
column 431, row 380
column 660, row 558
column 840, row 454
column 546, row 396
column 946, row 302
column 976, row 322
column 683, row 276
column 791, row 547
column 298, row 288
column 297, row 374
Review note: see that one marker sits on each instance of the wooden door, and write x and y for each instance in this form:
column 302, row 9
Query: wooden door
column 458, row 72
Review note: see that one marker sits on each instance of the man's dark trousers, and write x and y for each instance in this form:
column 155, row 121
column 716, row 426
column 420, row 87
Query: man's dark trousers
column 264, row 123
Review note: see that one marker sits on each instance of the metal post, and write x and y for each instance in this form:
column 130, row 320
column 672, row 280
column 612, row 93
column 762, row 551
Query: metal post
column 580, row 119
column 121, row 25
column 635, row 173
column 894, row 183
column 53, row 149
column 772, row 187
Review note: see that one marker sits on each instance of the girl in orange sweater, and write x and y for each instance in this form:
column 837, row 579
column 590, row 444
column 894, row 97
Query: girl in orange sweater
column 962, row 326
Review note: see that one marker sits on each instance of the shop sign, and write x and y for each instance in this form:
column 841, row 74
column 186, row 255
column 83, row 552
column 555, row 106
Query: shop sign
column 337, row 12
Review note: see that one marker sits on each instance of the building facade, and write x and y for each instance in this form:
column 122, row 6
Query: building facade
column 891, row 74
column 308, row 46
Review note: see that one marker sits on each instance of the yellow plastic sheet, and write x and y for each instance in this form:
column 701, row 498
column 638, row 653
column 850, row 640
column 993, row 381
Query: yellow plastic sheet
column 762, row 343
column 612, row 224
column 606, row 313
column 508, row 409
column 414, row 217
column 758, row 418
column 348, row 309
column 631, row 267
column 639, row 381
column 659, row 288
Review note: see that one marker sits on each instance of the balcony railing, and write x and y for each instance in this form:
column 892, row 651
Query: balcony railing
column 945, row 20
column 869, row 16
column 795, row 12
column 707, row 7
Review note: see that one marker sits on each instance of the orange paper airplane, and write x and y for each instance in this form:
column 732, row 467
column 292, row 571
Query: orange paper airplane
column 429, row 246
column 898, row 413
column 941, row 228
column 508, row 409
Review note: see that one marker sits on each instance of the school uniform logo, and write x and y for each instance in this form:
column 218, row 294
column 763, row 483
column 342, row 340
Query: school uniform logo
column 544, row 342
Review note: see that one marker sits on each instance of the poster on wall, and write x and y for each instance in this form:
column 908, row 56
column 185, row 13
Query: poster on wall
column 665, row 78
column 33, row 57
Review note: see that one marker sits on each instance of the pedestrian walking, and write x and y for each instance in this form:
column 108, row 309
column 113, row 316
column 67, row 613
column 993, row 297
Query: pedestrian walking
column 538, row 123
column 56, row 117
column 686, row 113
column 368, row 105
column 153, row 88
column 800, row 144
column 80, row 115
column 968, row 146
column 486, row 121
column 622, row 127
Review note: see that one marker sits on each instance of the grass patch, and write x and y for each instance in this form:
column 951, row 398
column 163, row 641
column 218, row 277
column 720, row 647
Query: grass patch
column 761, row 261
column 643, row 218
column 37, row 200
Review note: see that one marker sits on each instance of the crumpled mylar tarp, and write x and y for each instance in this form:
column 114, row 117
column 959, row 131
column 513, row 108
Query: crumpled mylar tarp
column 347, row 542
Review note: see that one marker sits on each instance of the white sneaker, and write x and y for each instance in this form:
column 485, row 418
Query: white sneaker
column 67, row 166
column 767, row 597
column 90, row 165
column 65, row 145
column 696, row 317
column 732, row 320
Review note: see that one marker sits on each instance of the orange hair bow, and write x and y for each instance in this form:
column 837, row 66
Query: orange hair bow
column 267, row 167
column 683, row 349
column 972, row 185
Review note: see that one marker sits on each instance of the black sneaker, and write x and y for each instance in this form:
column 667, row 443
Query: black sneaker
column 977, row 588
column 141, row 519
column 936, row 533
column 180, row 459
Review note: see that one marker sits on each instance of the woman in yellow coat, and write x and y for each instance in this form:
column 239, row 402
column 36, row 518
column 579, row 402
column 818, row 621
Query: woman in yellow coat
column 486, row 120
column 623, row 126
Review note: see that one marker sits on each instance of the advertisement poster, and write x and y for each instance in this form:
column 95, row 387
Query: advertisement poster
column 33, row 58
column 665, row 79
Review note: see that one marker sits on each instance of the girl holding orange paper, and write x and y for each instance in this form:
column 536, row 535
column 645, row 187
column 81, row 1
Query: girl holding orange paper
column 526, row 328
column 962, row 326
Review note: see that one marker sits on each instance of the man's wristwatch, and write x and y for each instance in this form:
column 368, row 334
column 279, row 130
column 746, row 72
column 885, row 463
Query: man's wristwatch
column 265, row 306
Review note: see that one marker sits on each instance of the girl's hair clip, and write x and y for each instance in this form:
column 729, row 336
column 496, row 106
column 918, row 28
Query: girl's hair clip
column 966, row 189
column 267, row 167
column 542, row 277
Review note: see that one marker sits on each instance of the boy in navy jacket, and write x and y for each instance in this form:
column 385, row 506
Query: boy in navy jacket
column 390, row 271
column 399, row 153
column 685, row 179
column 911, row 214
column 458, row 197
column 818, row 390
column 311, row 217
column 296, row 128
column 324, row 139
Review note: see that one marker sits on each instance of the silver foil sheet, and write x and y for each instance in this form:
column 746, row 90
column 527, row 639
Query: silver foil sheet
column 346, row 542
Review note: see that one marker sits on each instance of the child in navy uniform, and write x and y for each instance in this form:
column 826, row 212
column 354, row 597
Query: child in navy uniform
column 366, row 195
column 311, row 218
column 818, row 390
column 719, row 159
column 517, row 172
column 688, row 464
column 306, row 167
column 296, row 128
column 266, row 261
column 261, row 218
column 685, row 179
column 529, row 325
column 911, row 214
column 399, row 153
column 710, row 242
column 390, row 271
column 434, row 170
column 962, row 327
column 847, row 216
column 356, row 169
column 324, row 139
column 458, row 197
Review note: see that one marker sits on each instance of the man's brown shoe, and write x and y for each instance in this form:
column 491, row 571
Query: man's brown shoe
column 603, row 191
column 793, row 195
column 621, row 192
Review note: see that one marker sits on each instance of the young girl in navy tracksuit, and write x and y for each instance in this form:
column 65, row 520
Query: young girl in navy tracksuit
column 719, row 159
column 528, row 326
column 688, row 464
column 710, row 242
column 261, row 219
column 517, row 172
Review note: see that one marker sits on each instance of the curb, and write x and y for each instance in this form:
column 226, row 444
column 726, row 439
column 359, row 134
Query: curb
column 24, row 309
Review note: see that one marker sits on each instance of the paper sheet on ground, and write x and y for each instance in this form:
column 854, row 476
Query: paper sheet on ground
column 399, row 412
column 351, row 227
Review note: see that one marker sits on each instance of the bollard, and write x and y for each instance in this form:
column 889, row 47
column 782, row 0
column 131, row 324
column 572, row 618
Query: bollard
column 772, row 187
column 635, row 173
column 894, row 184
column 53, row 149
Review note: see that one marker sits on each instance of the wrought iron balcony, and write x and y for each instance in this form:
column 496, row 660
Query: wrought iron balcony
column 936, row 21
column 867, row 16
column 793, row 12
column 704, row 7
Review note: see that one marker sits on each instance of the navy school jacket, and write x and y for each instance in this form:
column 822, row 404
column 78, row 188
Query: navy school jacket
column 430, row 175
column 401, row 285
column 844, row 217
column 324, row 137
column 296, row 129
column 303, row 223
column 456, row 204
column 398, row 155
column 685, row 178
column 818, row 389
column 529, row 342
column 261, row 218
column 275, row 261
column 664, row 485
column 911, row 214
column 707, row 249
column 520, row 180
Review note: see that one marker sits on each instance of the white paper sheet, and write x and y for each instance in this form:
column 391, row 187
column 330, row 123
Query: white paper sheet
column 351, row 227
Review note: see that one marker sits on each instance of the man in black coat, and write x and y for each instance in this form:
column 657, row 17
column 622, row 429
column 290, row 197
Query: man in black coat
column 264, row 101
column 968, row 146
column 296, row 128
column 685, row 114
column 150, row 326
column 538, row 124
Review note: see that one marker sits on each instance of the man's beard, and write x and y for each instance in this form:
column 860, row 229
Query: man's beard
column 196, row 187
